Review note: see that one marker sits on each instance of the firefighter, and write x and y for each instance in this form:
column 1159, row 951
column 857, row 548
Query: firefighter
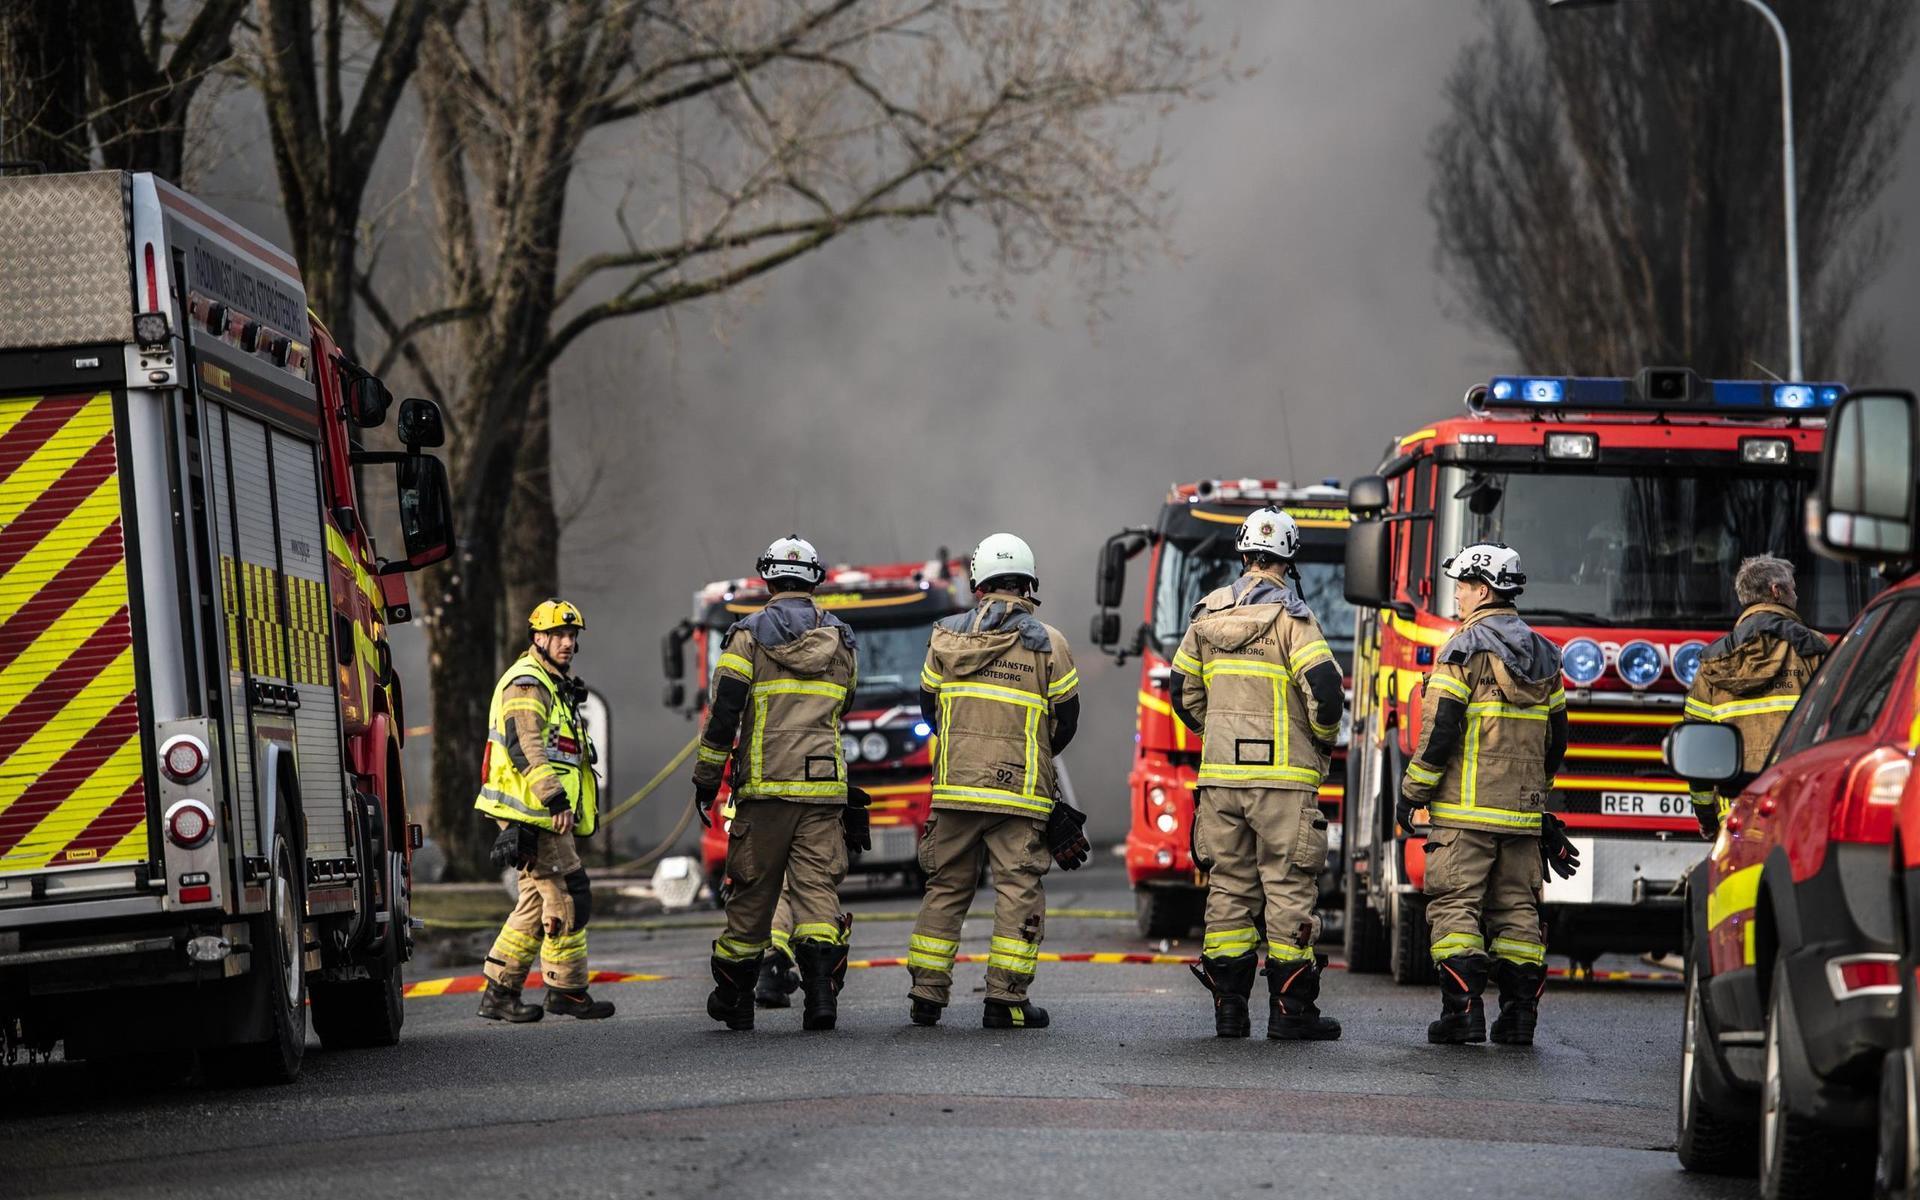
column 1751, row 678
column 1493, row 730
column 795, row 663
column 1256, row 678
column 1002, row 695
column 539, row 786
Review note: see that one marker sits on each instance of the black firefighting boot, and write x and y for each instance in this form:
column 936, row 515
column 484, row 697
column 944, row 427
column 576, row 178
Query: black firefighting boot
column 570, row 1002
column 1231, row 982
column 732, row 1001
column 1520, row 988
column 823, row 972
column 1013, row 1014
column 778, row 982
column 504, row 1004
column 1292, row 988
column 1463, row 1018
column 925, row 1012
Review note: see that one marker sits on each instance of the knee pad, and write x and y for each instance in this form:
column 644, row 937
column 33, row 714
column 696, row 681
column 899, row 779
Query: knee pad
column 579, row 887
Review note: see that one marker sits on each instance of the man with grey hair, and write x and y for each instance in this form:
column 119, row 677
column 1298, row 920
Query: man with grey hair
column 1751, row 678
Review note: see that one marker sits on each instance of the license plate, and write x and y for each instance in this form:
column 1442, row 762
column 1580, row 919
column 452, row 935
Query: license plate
column 1644, row 804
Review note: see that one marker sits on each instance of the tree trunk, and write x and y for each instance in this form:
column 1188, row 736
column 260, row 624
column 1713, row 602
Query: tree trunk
column 463, row 683
column 42, row 85
column 531, row 541
column 327, row 256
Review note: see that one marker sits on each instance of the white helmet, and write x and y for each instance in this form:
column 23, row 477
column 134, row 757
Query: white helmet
column 791, row 557
column 1268, row 531
column 1495, row 564
column 1002, row 554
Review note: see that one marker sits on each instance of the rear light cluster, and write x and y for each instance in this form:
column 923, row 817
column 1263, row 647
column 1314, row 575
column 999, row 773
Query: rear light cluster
column 183, row 758
column 1866, row 807
column 1863, row 975
column 1160, row 810
column 189, row 824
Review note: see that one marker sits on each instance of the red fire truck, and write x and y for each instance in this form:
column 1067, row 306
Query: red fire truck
column 1190, row 553
column 202, row 826
column 1631, row 502
column 892, row 608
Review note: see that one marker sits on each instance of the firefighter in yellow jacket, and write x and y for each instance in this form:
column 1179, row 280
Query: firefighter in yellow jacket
column 1493, row 730
column 538, row 784
column 1002, row 695
column 1256, row 678
column 782, row 683
column 1751, row 678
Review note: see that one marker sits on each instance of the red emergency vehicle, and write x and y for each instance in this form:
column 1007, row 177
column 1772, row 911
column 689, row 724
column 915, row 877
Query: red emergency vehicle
column 1631, row 502
column 203, row 833
column 892, row 608
column 1190, row 553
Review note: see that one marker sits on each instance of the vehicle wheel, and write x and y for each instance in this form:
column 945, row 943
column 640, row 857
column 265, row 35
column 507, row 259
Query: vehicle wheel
column 1162, row 913
column 277, row 981
column 363, row 1013
column 1365, row 935
column 1710, row 1139
column 1410, row 951
column 1800, row 1159
column 1896, row 1171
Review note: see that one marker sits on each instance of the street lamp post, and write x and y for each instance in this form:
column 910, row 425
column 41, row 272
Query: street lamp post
column 1796, row 368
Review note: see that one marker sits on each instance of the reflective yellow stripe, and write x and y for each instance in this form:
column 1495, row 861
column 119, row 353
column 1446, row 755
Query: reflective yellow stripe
column 1237, row 773
column 736, row 950
column 525, row 705
column 1309, row 654
column 1065, row 684
column 796, row 787
column 800, row 687
column 1230, row 943
column 1698, row 709
column 1449, row 685
column 1557, row 701
column 1420, row 774
column 931, row 953
column 710, row 755
column 1244, row 666
column 1752, row 708
column 1518, row 951
column 1185, row 663
column 992, row 691
column 733, row 662
column 929, row 680
column 1733, row 895
column 1454, row 944
column 818, row 931
column 495, row 796
column 570, row 948
column 517, row 944
column 1503, row 817
column 1326, row 732
column 536, row 774
column 1288, row 952
column 783, row 942
column 959, row 795
column 1498, row 708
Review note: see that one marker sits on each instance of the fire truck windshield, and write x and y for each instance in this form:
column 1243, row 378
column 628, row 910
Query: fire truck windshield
column 1188, row 572
column 891, row 656
column 1649, row 548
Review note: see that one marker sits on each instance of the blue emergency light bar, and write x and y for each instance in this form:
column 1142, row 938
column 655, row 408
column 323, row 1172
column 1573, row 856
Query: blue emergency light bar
column 1660, row 390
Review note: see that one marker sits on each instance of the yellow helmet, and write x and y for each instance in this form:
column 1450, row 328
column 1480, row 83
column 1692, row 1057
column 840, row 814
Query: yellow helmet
column 556, row 614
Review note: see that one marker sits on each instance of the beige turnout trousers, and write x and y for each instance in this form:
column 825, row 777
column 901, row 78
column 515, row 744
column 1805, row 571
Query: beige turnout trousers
column 1266, row 847
column 1476, row 878
column 953, row 848
column 776, row 848
column 523, row 939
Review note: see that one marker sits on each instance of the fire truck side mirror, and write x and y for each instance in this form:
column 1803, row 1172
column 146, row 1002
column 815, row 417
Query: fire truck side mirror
column 1703, row 752
column 673, row 656
column 1106, row 629
column 426, row 511
column 1864, row 509
column 675, row 695
column 1367, row 496
column 1369, row 581
column 367, row 398
column 421, row 427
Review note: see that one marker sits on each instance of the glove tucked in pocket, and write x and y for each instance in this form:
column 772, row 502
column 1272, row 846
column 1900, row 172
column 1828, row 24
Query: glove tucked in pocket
column 854, row 825
column 516, row 847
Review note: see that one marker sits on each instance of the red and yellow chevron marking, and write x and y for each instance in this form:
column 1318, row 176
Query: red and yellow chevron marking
column 71, row 790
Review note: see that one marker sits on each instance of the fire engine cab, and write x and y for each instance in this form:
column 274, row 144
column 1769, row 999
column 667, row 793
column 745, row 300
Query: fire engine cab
column 1631, row 503
column 888, row 746
column 1190, row 553
column 203, row 834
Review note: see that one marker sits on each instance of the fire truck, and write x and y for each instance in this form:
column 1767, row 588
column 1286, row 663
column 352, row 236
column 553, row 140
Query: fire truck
column 203, row 835
column 1190, row 553
column 887, row 744
column 1631, row 502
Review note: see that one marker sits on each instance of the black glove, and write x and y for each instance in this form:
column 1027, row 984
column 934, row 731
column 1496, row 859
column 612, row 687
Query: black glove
column 1708, row 815
column 1557, row 853
column 854, row 825
column 1403, row 809
column 517, row 846
column 703, row 798
column 1066, row 836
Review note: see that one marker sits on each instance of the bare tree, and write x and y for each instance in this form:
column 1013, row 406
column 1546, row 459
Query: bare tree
column 1607, row 184
column 142, row 88
column 324, row 150
column 43, row 85
column 757, row 132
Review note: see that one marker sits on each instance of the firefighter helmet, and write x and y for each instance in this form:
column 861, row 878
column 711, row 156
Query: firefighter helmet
column 1495, row 564
column 1268, row 531
column 556, row 614
column 791, row 557
column 1002, row 554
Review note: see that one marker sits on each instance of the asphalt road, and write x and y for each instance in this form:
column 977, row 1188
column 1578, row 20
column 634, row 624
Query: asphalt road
column 1129, row 1094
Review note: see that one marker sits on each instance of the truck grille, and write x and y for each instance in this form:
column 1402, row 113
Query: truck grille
column 1613, row 750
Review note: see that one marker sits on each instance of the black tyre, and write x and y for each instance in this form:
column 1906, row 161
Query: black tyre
column 276, row 981
column 1800, row 1158
column 1710, row 1139
column 1365, row 934
column 1163, row 912
column 1896, row 1174
column 362, row 1013
column 1410, row 950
